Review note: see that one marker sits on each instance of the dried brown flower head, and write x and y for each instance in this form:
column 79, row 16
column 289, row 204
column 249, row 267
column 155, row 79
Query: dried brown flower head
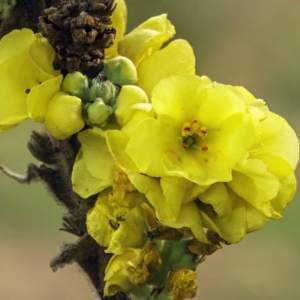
column 79, row 33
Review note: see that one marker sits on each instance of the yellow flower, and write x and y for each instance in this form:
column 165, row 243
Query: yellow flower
column 28, row 78
column 117, row 221
column 116, row 275
column 214, row 142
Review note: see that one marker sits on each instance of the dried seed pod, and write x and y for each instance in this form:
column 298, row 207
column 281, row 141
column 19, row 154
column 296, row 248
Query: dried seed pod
column 79, row 33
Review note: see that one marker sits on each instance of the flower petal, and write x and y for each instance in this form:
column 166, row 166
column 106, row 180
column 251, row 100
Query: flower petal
column 252, row 181
column 201, row 168
column 232, row 230
column 151, row 188
column 175, row 59
column 116, row 276
column 18, row 76
column 285, row 194
column 131, row 232
column 177, row 97
column 14, row 42
column 42, row 53
column 146, row 150
column 37, row 105
column 84, row 184
column 235, row 138
column 218, row 102
column 128, row 96
column 189, row 217
column 117, row 142
column 217, row 196
column 146, row 38
column 279, row 139
column 255, row 219
column 97, row 157
column 119, row 19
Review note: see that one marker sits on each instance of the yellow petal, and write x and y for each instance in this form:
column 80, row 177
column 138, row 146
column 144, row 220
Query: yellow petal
column 14, row 42
column 116, row 233
column 175, row 59
column 63, row 117
column 252, row 181
column 119, row 19
column 178, row 97
column 42, row 53
column 179, row 191
column 235, row 137
column 146, row 38
column 97, row 157
column 199, row 167
column 175, row 196
column 232, row 230
column 146, row 150
column 141, row 112
column 84, row 184
column 285, row 194
column 151, row 188
column 128, row 96
column 40, row 96
column 276, row 165
column 255, row 219
column 131, row 232
column 217, row 196
column 279, row 139
column 117, row 142
column 18, row 76
column 116, row 277
column 218, row 102
column 189, row 217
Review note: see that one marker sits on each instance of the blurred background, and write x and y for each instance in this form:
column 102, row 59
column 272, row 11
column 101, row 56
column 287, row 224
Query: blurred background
column 252, row 43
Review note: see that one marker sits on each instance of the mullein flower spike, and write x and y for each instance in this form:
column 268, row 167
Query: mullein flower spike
column 173, row 165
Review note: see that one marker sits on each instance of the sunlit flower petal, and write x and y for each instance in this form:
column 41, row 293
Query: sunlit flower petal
column 175, row 59
column 146, row 38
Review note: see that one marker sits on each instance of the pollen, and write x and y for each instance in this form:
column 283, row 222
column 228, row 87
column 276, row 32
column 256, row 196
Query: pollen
column 186, row 129
column 203, row 132
column 204, row 148
column 27, row 91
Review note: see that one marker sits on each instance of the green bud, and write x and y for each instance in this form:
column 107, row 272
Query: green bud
column 108, row 91
column 95, row 91
column 98, row 112
column 75, row 84
column 120, row 70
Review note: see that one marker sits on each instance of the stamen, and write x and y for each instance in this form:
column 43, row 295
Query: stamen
column 186, row 130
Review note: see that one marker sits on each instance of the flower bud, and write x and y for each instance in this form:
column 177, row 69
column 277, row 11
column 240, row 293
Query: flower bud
column 98, row 112
column 75, row 84
column 121, row 71
column 105, row 90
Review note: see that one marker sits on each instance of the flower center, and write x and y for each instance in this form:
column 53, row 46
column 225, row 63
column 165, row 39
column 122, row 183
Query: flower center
column 192, row 132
